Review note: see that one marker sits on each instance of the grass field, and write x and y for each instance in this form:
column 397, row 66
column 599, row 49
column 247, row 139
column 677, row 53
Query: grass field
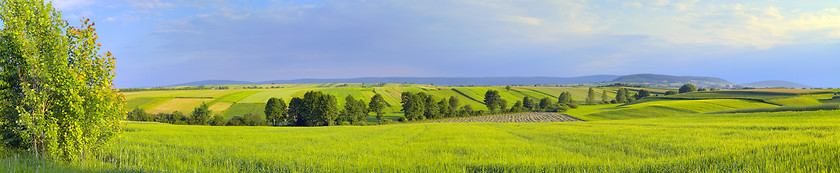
column 239, row 101
column 661, row 107
column 754, row 142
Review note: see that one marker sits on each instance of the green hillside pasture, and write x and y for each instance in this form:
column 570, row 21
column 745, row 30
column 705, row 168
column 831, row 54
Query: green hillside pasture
column 144, row 102
column 802, row 100
column 240, row 109
column 759, row 142
column 262, row 97
column 578, row 93
column 185, row 105
column 829, row 106
column 668, row 108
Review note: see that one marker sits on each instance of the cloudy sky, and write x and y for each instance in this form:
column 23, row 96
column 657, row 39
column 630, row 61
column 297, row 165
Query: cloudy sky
column 160, row 42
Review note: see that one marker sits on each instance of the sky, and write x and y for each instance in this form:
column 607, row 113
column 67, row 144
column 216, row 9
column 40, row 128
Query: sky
column 160, row 43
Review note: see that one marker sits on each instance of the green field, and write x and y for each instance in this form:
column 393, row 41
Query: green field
column 757, row 142
column 728, row 131
column 239, row 101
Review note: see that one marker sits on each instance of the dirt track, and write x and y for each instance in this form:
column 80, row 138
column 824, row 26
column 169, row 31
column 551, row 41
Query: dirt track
column 532, row 117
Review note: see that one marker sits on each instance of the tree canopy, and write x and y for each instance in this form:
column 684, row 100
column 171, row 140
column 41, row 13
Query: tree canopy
column 57, row 96
column 688, row 88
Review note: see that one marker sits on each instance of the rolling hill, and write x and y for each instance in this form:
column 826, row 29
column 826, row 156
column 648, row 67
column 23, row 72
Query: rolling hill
column 776, row 84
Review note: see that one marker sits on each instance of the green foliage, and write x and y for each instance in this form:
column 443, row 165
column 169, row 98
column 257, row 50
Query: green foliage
column 56, row 87
column 687, row 88
column 670, row 92
column 354, row 111
column 491, row 100
column 622, row 96
column 377, row 105
column 642, row 94
column 200, row 115
column 275, row 111
column 604, row 98
column 590, row 96
column 218, row 120
column 314, row 109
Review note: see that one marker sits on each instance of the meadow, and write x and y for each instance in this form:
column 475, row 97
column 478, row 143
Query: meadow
column 753, row 142
column 726, row 131
column 243, row 99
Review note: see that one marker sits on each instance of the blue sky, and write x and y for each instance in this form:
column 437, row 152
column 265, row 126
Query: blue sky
column 160, row 42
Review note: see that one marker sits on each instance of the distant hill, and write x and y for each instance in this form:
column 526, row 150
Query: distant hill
column 776, row 84
column 214, row 82
column 656, row 80
column 445, row 81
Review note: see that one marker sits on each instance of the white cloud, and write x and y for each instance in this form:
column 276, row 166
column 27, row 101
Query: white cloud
column 521, row 19
column 632, row 4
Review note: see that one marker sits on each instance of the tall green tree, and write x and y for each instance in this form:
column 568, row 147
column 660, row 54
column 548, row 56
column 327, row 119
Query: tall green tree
column 413, row 105
column 431, row 108
column 57, row 97
column 275, row 111
column 590, row 97
column 454, row 103
column 350, row 110
column 621, row 97
column 545, row 103
column 507, row 88
column 642, row 94
column 528, row 103
column 688, row 88
column 565, row 98
column 200, row 115
column 503, row 105
column 491, row 100
column 377, row 105
column 443, row 108
column 604, row 97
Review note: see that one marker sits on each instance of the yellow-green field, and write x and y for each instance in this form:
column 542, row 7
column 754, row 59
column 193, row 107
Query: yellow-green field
column 756, row 142
column 729, row 131
column 238, row 101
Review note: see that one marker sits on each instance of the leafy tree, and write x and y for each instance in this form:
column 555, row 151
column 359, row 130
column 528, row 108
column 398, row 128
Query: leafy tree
column 377, row 105
column 503, row 105
column 454, row 103
column 565, row 98
column 528, row 103
column 491, row 99
column 350, row 110
column 604, row 97
column 431, row 111
column 252, row 119
column 688, row 88
column 413, row 105
column 545, row 103
column 642, row 94
column 590, row 97
column 218, row 120
column 362, row 112
column 670, row 92
column 200, row 115
column 621, row 97
column 235, row 121
column 443, row 108
column 517, row 107
column 468, row 110
column 138, row 114
column 57, row 97
column 296, row 111
column 507, row 88
column 275, row 111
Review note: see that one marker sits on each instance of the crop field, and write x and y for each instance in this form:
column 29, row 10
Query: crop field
column 239, row 101
column 532, row 117
column 655, row 108
column 827, row 106
column 752, row 142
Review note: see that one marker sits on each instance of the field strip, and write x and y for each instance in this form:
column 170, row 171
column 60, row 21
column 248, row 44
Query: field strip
column 532, row 117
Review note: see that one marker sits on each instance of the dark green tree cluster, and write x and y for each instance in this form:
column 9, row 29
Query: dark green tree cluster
column 492, row 100
column 688, row 88
column 420, row 106
column 354, row 112
column 377, row 105
column 643, row 93
column 275, row 111
column 604, row 97
column 670, row 92
column 623, row 96
column 314, row 109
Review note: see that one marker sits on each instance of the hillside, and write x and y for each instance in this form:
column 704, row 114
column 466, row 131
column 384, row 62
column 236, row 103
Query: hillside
column 776, row 84
column 444, row 81
column 656, row 80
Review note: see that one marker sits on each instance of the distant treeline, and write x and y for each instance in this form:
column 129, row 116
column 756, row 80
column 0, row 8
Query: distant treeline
column 173, row 89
